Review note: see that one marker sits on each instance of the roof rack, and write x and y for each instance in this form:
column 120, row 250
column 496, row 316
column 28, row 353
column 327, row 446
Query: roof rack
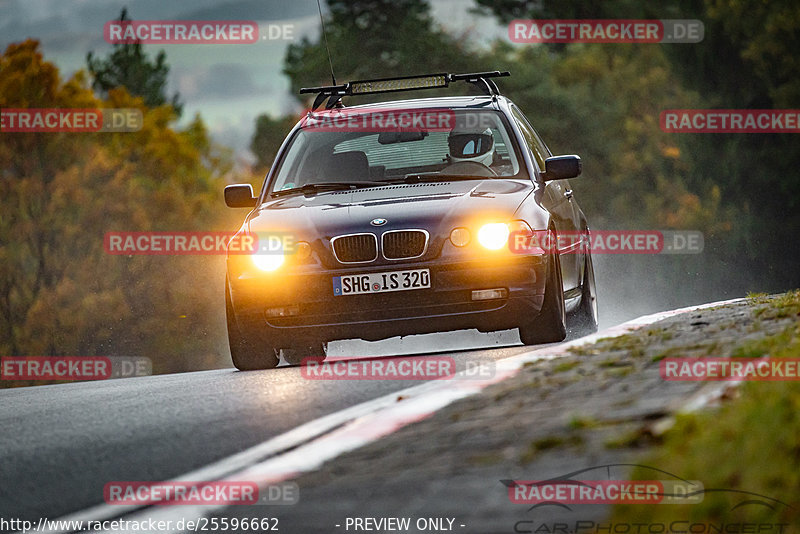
column 334, row 93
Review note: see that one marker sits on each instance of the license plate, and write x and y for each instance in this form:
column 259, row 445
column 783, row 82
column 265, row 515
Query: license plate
column 359, row 284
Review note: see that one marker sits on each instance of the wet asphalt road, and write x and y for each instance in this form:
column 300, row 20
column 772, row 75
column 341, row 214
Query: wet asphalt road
column 60, row 444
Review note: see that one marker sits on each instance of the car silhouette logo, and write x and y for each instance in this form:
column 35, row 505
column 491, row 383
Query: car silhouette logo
column 378, row 222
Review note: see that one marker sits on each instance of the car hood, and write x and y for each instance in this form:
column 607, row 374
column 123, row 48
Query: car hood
column 436, row 207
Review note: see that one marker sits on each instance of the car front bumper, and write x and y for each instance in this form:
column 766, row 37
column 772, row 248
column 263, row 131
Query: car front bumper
column 288, row 309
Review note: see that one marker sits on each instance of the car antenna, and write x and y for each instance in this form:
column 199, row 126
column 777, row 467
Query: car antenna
column 325, row 36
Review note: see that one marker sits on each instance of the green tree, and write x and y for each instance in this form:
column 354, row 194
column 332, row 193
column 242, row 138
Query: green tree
column 367, row 39
column 746, row 60
column 268, row 137
column 128, row 66
column 378, row 38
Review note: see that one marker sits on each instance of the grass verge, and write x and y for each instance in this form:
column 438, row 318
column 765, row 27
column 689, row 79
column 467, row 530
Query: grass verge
column 747, row 451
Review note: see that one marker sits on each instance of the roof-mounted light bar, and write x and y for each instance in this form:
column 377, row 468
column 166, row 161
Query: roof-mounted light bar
column 334, row 93
column 399, row 84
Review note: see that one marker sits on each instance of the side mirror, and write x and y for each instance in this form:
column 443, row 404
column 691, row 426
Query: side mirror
column 239, row 196
column 561, row 167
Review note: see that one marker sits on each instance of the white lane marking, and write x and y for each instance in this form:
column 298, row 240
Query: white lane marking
column 311, row 444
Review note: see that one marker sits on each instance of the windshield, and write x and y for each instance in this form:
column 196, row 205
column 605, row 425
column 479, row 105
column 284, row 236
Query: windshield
column 386, row 146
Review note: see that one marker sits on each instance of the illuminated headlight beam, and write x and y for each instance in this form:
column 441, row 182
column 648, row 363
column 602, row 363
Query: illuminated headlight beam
column 493, row 236
column 268, row 262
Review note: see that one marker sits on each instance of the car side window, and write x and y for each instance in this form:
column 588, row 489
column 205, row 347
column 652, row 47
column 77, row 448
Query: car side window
column 531, row 137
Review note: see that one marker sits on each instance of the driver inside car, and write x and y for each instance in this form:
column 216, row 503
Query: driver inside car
column 471, row 152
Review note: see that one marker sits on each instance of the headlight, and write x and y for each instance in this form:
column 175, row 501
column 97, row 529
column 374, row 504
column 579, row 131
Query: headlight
column 460, row 237
column 268, row 262
column 493, row 236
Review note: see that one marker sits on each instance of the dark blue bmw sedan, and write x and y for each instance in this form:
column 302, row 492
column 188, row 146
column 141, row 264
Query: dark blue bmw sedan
column 402, row 218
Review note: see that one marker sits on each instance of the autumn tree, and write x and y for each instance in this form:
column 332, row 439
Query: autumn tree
column 60, row 292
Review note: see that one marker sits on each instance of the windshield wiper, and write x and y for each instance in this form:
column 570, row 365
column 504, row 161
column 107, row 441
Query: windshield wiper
column 436, row 177
column 310, row 189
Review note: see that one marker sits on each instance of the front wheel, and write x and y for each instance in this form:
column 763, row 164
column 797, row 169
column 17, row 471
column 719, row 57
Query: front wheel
column 247, row 353
column 550, row 325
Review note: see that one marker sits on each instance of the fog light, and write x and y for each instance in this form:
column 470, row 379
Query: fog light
column 490, row 294
column 287, row 311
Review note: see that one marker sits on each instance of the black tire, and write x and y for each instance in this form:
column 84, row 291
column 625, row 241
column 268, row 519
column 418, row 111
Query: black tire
column 550, row 325
column 296, row 355
column 584, row 318
column 247, row 353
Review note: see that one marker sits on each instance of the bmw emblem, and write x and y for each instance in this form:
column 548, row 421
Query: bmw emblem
column 378, row 222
